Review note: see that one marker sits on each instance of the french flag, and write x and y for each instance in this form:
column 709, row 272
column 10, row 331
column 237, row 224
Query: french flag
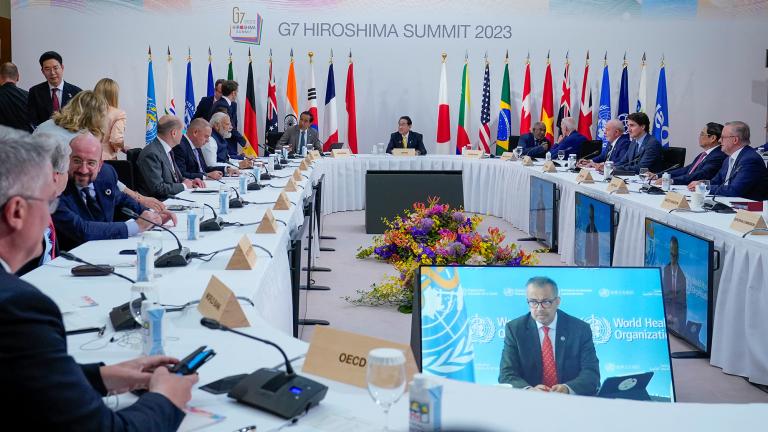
column 330, row 123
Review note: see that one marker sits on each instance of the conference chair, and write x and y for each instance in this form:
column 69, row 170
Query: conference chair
column 513, row 140
column 124, row 170
column 589, row 147
column 672, row 156
column 132, row 156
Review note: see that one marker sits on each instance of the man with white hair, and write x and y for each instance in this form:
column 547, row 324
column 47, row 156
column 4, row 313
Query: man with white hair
column 614, row 152
column 571, row 139
column 222, row 131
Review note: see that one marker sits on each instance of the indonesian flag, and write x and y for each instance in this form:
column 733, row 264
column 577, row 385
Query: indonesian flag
column 349, row 99
column 443, row 115
column 547, row 102
column 565, row 98
column 312, row 92
column 462, row 132
column 250, row 130
column 290, row 91
column 330, row 125
column 170, row 101
column 585, row 105
column 525, row 112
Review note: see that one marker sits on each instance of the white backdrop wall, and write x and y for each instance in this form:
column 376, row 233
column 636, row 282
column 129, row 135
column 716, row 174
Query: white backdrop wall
column 715, row 55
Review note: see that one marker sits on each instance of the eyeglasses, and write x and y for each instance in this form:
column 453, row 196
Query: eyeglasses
column 51, row 69
column 91, row 164
column 52, row 204
column 546, row 303
column 728, row 136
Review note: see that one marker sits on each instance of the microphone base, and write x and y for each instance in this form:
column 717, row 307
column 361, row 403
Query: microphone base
column 254, row 186
column 284, row 161
column 276, row 392
column 717, row 207
column 652, row 190
column 235, row 203
column 277, row 167
column 121, row 317
column 212, row 224
column 266, row 176
column 174, row 258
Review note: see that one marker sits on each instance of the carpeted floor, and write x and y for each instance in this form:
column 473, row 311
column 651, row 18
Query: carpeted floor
column 695, row 379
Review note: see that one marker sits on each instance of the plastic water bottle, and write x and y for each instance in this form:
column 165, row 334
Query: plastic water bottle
column 243, row 184
column 548, row 156
column 193, row 225
column 666, row 182
column 144, row 262
column 223, row 201
column 151, row 328
column 608, row 170
column 424, row 405
column 765, row 210
column 571, row 161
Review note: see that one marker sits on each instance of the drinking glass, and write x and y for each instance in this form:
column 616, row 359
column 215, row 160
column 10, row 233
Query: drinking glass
column 518, row 152
column 643, row 173
column 560, row 155
column 385, row 375
column 704, row 184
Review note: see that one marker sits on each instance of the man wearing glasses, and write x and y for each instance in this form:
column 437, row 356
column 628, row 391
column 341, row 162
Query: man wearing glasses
column 549, row 350
column 50, row 96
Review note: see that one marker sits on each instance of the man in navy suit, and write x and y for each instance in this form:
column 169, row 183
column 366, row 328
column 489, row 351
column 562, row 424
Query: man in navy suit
column 89, row 203
column 743, row 174
column 570, row 141
column 644, row 149
column 704, row 166
column 535, row 143
column 49, row 96
column 222, row 131
column 615, row 151
column 547, row 349
column 204, row 108
column 406, row 138
column 13, row 100
column 46, row 387
column 674, row 289
column 189, row 156
column 228, row 104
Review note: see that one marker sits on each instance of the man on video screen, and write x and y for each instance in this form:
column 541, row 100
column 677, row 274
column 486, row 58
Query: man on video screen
column 547, row 349
column 674, row 288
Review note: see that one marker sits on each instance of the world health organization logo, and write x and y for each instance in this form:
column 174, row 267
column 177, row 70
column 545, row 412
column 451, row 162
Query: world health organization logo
column 481, row 329
column 601, row 328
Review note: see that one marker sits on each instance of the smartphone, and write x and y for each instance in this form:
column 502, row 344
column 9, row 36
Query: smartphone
column 191, row 363
column 204, row 191
column 92, row 270
column 177, row 207
column 128, row 252
column 223, row 385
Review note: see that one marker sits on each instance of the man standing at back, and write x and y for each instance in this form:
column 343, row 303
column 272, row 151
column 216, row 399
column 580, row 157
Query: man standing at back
column 50, row 96
column 204, row 108
column 13, row 100
column 228, row 104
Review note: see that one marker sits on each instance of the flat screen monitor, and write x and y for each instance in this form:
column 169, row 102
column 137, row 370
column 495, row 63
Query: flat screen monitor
column 474, row 323
column 686, row 263
column 594, row 236
column 542, row 217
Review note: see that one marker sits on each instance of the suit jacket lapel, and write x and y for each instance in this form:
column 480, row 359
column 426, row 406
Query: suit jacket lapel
column 534, row 346
column 561, row 334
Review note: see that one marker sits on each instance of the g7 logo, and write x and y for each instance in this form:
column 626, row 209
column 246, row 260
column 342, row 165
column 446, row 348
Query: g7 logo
column 237, row 16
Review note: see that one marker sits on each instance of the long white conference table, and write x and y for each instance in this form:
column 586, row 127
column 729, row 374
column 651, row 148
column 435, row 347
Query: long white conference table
column 268, row 287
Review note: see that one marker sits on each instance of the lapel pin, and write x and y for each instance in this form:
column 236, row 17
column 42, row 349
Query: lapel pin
column 562, row 338
column 108, row 192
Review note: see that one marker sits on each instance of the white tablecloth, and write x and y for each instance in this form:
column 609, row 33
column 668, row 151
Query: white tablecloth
column 501, row 189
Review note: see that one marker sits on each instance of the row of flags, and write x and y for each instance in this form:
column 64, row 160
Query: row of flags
column 660, row 118
column 250, row 129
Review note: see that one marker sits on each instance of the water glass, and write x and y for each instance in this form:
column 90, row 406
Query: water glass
column 385, row 375
column 560, row 155
column 704, row 184
column 518, row 152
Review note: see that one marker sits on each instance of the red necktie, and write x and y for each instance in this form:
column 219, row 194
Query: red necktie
column 549, row 369
column 55, row 98
column 698, row 161
column 52, row 238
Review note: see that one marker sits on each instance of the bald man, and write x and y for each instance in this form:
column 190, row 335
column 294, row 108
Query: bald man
column 88, row 204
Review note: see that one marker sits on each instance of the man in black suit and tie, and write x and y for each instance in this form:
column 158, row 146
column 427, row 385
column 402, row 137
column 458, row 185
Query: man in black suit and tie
column 549, row 350
column 13, row 100
column 50, row 96
column 189, row 156
column 706, row 165
column 300, row 135
column 406, row 138
column 228, row 104
column 160, row 177
column 535, row 143
column 47, row 388
column 674, row 289
column 644, row 149
column 204, row 108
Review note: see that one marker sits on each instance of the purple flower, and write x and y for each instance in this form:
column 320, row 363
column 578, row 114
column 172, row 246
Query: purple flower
column 385, row 252
column 436, row 210
column 429, row 252
column 456, row 249
column 515, row 262
column 426, row 224
column 464, row 239
column 458, row 217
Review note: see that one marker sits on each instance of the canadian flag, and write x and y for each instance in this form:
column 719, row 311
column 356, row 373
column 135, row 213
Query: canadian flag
column 525, row 112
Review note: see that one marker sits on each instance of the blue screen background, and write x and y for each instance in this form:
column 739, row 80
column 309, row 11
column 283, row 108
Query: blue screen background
column 603, row 223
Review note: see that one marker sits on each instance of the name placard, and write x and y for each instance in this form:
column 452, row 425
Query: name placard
column 617, row 186
column 585, row 176
column 527, row 161
column 290, row 186
column 341, row 153
column 315, row 154
column 745, row 221
column 403, row 152
column 472, row 154
column 220, row 303
column 282, row 203
column 304, row 165
column 267, row 225
column 549, row 167
column 507, row 156
column 245, row 164
column 297, row 175
column 244, row 257
column 674, row 200
column 342, row 356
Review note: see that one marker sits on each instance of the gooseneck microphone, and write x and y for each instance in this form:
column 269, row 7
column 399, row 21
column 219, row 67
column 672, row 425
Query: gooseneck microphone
column 576, row 169
column 655, row 190
column 213, row 224
column 174, row 258
column 285, row 394
column 236, row 202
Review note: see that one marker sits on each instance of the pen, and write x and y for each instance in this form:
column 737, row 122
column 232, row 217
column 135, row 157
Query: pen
column 99, row 330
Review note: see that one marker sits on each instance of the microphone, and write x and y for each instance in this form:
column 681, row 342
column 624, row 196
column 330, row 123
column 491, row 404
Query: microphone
column 120, row 316
column 285, row 394
column 236, row 202
column 576, row 169
column 713, row 204
column 174, row 258
column 617, row 171
column 655, row 190
column 254, row 185
column 213, row 224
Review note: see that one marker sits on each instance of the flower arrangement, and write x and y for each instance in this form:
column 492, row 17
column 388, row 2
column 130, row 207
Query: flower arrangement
column 433, row 234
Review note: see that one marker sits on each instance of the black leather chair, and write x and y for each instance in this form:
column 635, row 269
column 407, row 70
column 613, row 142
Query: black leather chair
column 132, row 156
column 589, row 147
column 513, row 140
column 124, row 171
column 672, row 156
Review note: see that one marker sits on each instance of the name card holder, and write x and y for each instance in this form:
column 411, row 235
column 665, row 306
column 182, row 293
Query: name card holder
column 220, row 303
column 472, row 154
column 315, row 154
column 617, row 186
column 304, row 166
column 508, row 156
column 245, row 164
column 282, row 203
column 297, row 175
column 549, row 167
column 403, row 152
column 585, row 176
column 290, row 186
column 341, row 153
column 244, row 257
column 267, row 225
column 527, row 161
column 674, row 200
column 745, row 221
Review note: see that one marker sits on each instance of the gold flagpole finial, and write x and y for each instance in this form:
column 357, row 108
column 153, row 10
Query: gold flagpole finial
column 169, row 53
column 311, row 54
column 444, row 55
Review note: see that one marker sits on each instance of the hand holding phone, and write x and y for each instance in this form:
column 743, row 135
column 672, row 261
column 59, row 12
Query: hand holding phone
column 191, row 363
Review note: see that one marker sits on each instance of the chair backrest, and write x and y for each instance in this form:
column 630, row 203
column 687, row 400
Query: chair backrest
column 588, row 147
column 513, row 140
column 673, row 156
column 132, row 156
column 124, row 169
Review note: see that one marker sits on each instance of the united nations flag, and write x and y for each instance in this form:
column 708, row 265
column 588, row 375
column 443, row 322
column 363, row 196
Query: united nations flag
column 445, row 327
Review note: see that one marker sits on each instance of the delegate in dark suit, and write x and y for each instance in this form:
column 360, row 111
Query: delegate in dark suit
column 46, row 388
column 236, row 140
column 415, row 141
column 675, row 300
column 575, row 357
column 13, row 107
column 76, row 223
column 614, row 153
column 40, row 104
column 748, row 179
column 533, row 147
column 204, row 108
column 570, row 144
column 292, row 138
column 646, row 153
column 157, row 172
column 705, row 170
column 190, row 160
